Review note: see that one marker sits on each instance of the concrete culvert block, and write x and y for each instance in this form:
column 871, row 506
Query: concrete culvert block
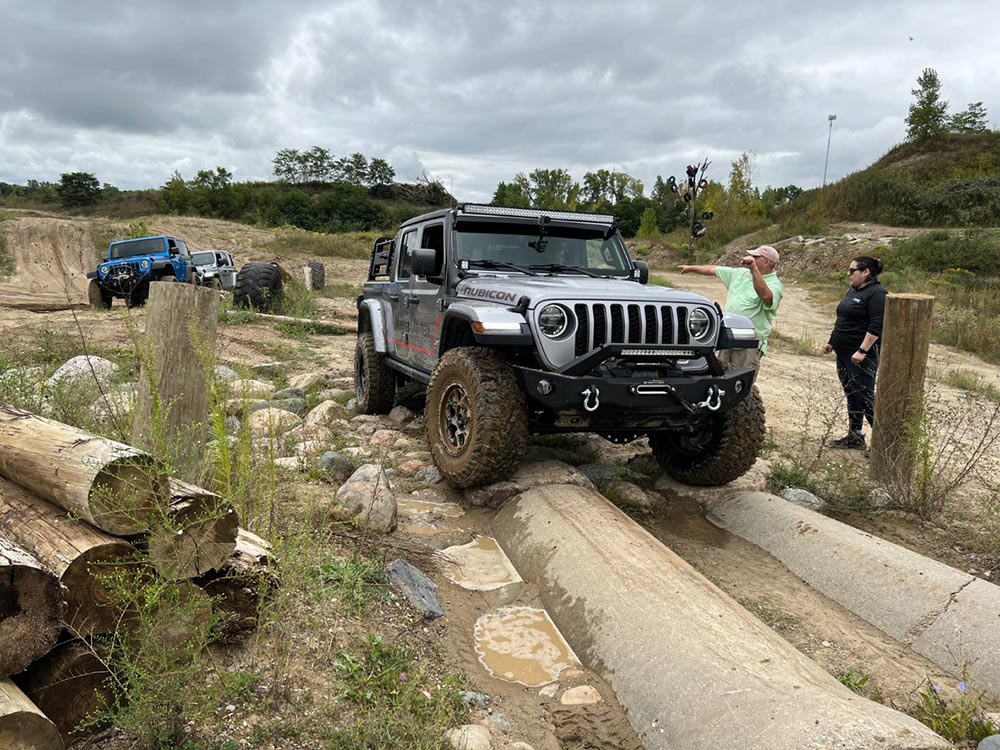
column 692, row 668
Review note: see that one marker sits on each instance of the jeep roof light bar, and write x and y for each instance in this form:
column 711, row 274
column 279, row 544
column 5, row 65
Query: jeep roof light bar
column 535, row 213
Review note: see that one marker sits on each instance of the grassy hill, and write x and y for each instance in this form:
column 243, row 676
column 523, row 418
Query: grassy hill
column 951, row 180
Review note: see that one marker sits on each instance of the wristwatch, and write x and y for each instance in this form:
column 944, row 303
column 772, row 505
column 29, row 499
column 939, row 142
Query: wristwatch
column 863, row 351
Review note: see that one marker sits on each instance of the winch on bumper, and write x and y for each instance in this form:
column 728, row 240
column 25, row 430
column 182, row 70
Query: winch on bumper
column 560, row 402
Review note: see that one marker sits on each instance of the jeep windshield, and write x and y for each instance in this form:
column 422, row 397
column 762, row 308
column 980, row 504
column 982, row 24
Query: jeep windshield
column 552, row 249
column 132, row 248
column 203, row 259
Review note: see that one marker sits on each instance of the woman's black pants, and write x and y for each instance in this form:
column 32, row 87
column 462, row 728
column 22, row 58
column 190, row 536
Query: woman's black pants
column 859, row 387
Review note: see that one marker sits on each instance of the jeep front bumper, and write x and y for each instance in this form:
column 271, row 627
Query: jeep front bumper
column 564, row 402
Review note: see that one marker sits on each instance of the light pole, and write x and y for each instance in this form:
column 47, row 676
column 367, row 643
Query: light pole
column 831, row 118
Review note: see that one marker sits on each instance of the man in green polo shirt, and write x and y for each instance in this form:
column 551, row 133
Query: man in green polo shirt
column 754, row 290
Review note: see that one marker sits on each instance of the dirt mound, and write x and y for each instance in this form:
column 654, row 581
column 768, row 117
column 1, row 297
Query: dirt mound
column 51, row 259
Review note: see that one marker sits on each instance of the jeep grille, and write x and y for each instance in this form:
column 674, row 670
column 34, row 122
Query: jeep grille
column 600, row 323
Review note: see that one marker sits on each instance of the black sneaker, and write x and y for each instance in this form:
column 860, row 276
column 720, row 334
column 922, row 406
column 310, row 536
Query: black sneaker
column 851, row 440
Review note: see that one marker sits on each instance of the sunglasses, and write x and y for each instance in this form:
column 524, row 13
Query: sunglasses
column 854, row 270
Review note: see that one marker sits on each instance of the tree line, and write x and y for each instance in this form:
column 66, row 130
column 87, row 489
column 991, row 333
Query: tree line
column 928, row 115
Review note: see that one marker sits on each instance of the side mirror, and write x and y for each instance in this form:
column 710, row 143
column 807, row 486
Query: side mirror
column 424, row 262
column 641, row 272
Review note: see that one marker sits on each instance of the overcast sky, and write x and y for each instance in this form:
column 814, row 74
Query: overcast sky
column 473, row 91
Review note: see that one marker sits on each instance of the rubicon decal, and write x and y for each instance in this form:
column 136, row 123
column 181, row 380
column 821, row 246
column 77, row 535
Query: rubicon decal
column 497, row 295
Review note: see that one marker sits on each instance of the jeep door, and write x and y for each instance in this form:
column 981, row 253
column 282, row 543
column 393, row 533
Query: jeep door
column 423, row 301
column 398, row 323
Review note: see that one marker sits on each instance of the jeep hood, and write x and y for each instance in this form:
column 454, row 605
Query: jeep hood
column 507, row 290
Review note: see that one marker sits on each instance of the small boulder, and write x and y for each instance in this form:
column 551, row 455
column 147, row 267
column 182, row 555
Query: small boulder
column 367, row 505
column 370, row 473
column 290, row 464
column 429, row 474
column 272, row 422
column 309, row 382
column 400, row 415
column 385, row 437
column 583, row 695
column 336, row 465
column 335, row 394
column 288, row 393
column 84, row 369
column 114, row 405
column 420, row 590
column 325, row 413
column 295, row 405
column 309, row 448
column 628, row 494
column 469, row 737
column 803, row 497
column 251, row 389
column 989, row 743
column 226, row 374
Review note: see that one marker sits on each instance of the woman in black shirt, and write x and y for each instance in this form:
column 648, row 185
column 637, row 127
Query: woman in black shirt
column 855, row 339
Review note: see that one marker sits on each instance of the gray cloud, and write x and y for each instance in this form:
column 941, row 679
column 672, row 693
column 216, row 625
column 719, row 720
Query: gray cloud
column 474, row 91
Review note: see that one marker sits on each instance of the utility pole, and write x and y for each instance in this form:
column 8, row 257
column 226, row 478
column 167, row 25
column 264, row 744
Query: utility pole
column 830, row 118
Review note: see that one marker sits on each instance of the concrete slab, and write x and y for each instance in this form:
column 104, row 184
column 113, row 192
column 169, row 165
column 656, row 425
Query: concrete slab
column 966, row 637
column 692, row 667
column 893, row 588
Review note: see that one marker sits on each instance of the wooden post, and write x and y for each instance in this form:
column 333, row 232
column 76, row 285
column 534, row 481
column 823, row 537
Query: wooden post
column 110, row 485
column 171, row 415
column 83, row 558
column 31, row 608
column 22, row 725
column 906, row 338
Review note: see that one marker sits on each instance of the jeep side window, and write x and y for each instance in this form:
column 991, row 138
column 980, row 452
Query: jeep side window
column 433, row 238
column 405, row 250
column 182, row 247
column 172, row 247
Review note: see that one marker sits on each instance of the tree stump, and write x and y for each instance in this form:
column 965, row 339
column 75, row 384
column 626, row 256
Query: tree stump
column 171, row 415
column 31, row 608
column 22, row 725
column 198, row 535
column 68, row 684
column 906, row 338
column 82, row 557
column 108, row 484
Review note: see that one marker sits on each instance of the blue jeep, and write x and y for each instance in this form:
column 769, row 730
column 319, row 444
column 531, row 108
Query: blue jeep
column 132, row 264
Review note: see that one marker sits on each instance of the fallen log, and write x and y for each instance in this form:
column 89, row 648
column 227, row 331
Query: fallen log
column 331, row 325
column 82, row 557
column 108, row 484
column 197, row 536
column 69, row 684
column 245, row 579
column 31, row 608
column 22, row 725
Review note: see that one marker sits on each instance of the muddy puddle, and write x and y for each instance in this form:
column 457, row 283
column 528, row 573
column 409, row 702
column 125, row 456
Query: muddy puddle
column 522, row 645
column 426, row 517
column 479, row 565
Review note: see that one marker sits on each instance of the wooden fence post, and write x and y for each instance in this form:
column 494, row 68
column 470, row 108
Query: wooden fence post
column 172, row 408
column 906, row 338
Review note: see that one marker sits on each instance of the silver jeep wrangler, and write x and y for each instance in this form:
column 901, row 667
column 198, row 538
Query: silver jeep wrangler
column 526, row 321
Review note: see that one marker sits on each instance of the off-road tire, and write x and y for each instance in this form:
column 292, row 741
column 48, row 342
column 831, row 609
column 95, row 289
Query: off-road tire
column 97, row 296
column 476, row 418
column 138, row 296
column 258, row 286
column 734, row 440
column 374, row 382
column 318, row 275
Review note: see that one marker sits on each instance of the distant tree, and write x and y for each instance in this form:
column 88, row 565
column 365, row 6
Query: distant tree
column 928, row 113
column 773, row 197
column 741, row 195
column 648, row 228
column 174, row 194
column 380, row 173
column 287, row 164
column 511, row 194
column 605, row 188
column 972, row 120
column 354, row 169
column 549, row 188
column 78, row 189
column 318, row 165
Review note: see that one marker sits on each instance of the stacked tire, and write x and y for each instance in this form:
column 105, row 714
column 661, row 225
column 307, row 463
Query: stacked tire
column 318, row 275
column 258, row 287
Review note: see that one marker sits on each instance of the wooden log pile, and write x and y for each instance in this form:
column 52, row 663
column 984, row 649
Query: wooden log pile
column 77, row 512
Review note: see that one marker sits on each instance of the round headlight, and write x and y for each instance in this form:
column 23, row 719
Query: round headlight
column 105, row 268
column 553, row 321
column 144, row 265
column 699, row 324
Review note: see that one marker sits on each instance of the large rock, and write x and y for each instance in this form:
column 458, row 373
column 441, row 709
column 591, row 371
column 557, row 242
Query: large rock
column 335, row 465
column 84, row 369
column 400, row 415
column 289, row 393
column 310, row 382
column 271, row 422
column 368, row 505
column 326, row 413
column 227, row 374
column 295, row 405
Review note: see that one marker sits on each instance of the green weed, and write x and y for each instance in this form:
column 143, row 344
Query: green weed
column 958, row 719
column 358, row 580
